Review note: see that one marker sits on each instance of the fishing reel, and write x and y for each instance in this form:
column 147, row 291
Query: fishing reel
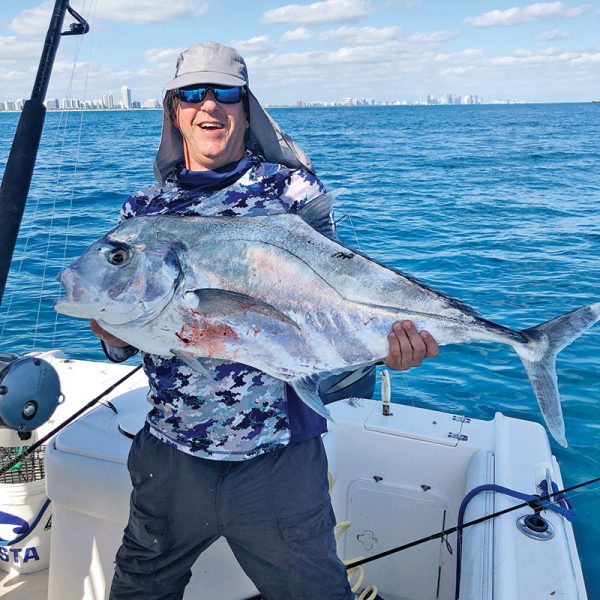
column 29, row 393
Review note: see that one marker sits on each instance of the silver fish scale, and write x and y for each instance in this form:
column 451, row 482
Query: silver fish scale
column 273, row 293
column 330, row 293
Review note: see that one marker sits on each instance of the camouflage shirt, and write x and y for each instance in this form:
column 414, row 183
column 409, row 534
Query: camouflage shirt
column 233, row 411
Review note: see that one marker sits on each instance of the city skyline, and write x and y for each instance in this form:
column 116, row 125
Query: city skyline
column 323, row 51
column 107, row 102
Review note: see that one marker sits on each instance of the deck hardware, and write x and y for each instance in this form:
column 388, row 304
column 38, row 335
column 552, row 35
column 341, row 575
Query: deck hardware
column 461, row 437
column 367, row 539
column 461, row 418
column 377, row 478
column 425, row 487
column 386, row 393
column 535, row 527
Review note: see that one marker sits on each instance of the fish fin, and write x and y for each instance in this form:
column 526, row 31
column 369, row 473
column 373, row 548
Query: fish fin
column 307, row 389
column 538, row 356
column 318, row 214
column 346, row 380
column 191, row 361
column 217, row 303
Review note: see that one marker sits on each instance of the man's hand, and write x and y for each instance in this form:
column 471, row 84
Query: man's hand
column 409, row 347
column 106, row 337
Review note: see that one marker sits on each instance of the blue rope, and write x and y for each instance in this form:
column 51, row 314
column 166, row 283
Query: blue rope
column 561, row 505
column 33, row 525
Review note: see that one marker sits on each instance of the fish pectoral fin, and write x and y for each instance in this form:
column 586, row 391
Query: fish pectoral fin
column 317, row 213
column 191, row 361
column 217, row 303
column 307, row 389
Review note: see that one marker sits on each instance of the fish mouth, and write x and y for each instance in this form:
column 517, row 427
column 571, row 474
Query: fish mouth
column 74, row 308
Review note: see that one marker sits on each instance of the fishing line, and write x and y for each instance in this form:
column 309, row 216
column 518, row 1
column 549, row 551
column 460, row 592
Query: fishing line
column 354, row 231
column 29, row 450
column 28, row 229
column 446, row 532
column 94, row 6
column 53, row 212
column 60, row 135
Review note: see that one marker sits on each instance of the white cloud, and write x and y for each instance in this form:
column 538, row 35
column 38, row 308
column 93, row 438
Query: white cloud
column 361, row 35
column 469, row 53
column 456, row 70
column 149, row 11
column 35, row 21
column 532, row 12
column 391, row 55
column 14, row 75
column 549, row 36
column 12, row 49
column 434, row 37
column 296, row 35
column 328, row 11
column 586, row 58
column 525, row 57
column 255, row 45
column 158, row 55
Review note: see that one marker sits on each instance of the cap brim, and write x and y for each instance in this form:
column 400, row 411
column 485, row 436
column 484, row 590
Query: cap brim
column 204, row 77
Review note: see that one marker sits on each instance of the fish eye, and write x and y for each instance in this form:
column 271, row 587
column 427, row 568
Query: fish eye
column 118, row 257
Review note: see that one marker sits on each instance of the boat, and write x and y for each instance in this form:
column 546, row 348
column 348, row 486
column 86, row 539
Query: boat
column 429, row 504
column 398, row 474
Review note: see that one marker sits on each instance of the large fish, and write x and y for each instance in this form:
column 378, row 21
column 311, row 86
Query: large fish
column 276, row 293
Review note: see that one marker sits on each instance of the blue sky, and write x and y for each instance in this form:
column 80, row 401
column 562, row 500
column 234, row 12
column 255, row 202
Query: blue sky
column 326, row 50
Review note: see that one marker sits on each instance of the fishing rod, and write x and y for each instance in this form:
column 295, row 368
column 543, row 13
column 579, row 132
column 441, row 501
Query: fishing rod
column 21, row 160
column 535, row 504
column 29, row 450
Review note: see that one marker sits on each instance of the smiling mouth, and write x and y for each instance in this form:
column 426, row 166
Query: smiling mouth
column 211, row 125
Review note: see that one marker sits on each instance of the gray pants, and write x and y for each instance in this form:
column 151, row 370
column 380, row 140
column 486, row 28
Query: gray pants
column 274, row 510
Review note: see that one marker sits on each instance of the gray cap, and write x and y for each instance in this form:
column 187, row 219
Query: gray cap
column 215, row 63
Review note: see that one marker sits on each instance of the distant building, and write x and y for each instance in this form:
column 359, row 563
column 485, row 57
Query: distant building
column 52, row 104
column 19, row 103
column 108, row 101
column 125, row 97
column 151, row 103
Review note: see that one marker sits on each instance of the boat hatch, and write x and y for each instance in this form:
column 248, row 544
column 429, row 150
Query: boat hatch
column 379, row 513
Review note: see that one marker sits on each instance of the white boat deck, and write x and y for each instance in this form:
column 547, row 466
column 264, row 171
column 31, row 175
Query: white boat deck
column 413, row 464
column 29, row 586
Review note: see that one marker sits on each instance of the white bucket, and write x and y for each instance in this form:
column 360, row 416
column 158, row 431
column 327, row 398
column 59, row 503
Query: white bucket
column 20, row 504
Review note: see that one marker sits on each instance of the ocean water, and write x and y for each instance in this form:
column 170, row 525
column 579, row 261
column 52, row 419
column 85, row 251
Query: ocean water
column 496, row 205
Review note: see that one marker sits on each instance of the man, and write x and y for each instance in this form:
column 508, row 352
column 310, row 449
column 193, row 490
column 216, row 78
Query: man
column 229, row 451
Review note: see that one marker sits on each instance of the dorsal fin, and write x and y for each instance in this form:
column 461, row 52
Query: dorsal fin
column 318, row 213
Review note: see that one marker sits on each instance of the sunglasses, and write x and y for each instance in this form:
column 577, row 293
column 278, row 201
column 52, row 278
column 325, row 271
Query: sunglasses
column 223, row 94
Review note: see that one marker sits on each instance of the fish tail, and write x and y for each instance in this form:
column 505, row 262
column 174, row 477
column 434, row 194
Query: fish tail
column 538, row 355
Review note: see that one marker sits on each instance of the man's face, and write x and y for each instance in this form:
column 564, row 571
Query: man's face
column 213, row 132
